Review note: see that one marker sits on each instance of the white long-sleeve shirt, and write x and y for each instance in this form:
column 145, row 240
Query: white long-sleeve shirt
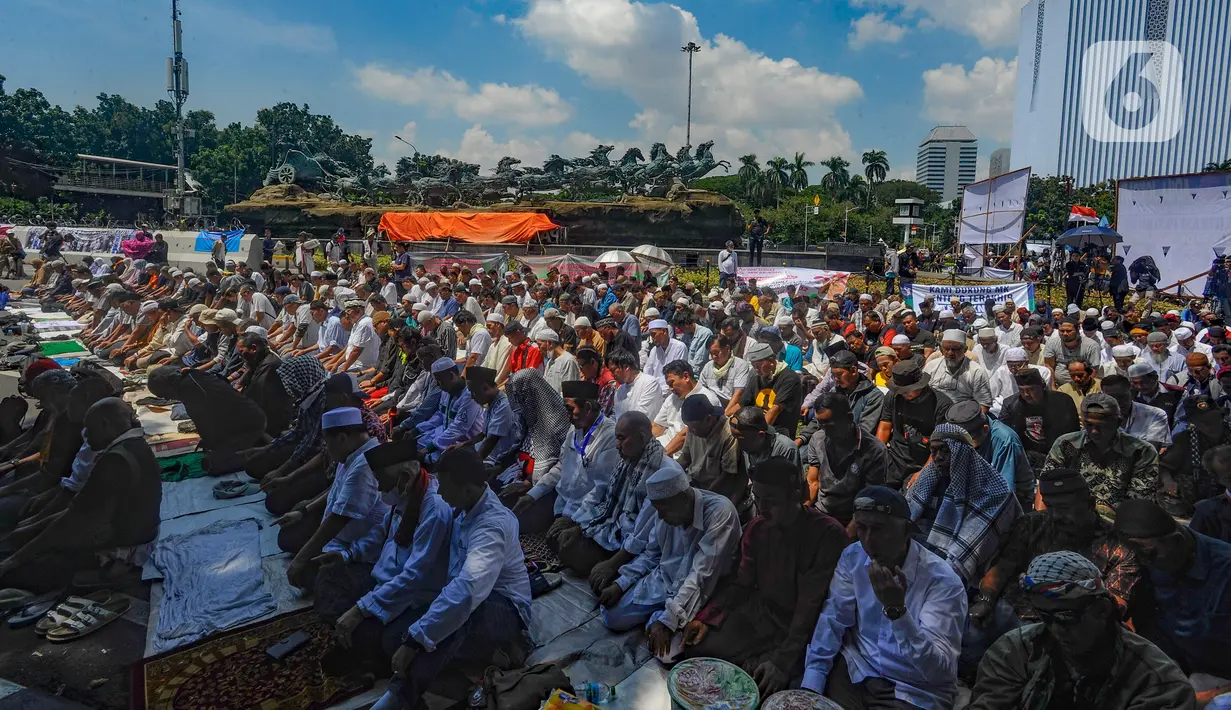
column 653, row 361
column 681, row 565
column 918, row 652
column 585, row 461
column 644, row 395
column 485, row 558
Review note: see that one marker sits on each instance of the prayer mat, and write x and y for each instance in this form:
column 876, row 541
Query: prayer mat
column 232, row 670
column 61, row 347
column 535, row 548
column 182, row 467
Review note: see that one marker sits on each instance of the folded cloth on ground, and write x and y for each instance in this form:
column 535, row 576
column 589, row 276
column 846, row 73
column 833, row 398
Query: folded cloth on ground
column 179, row 413
column 182, row 467
column 155, row 402
column 212, row 580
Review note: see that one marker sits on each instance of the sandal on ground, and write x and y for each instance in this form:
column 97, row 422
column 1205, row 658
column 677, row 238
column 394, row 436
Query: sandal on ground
column 65, row 610
column 235, row 489
column 31, row 614
column 89, row 619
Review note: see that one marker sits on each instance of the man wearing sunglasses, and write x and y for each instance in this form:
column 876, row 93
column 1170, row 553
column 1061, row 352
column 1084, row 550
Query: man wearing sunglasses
column 1079, row 656
column 891, row 629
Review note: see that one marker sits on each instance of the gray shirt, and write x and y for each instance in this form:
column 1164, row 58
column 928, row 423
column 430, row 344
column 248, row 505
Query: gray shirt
column 1087, row 350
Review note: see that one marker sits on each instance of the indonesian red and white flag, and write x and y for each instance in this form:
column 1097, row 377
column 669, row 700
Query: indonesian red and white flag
column 1084, row 215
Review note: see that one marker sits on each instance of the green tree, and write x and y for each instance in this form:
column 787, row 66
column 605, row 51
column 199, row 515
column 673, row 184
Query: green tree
column 858, row 190
column 875, row 166
column 1216, row 167
column 799, row 172
column 776, row 177
column 749, row 170
column 838, row 177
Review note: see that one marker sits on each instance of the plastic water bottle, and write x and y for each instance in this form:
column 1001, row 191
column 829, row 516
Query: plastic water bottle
column 594, row 692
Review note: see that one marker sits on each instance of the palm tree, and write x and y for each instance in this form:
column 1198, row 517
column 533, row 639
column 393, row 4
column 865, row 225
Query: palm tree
column 875, row 166
column 799, row 172
column 858, row 189
column 748, row 170
column 1218, row 167
column 838, row 177
column 776, row 177
column 876, row 169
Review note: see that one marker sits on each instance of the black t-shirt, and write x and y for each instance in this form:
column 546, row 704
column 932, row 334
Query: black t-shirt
column 1039, row 425
column 913, row 423
column 923, row 339
column 785, row 389
column 757, row 228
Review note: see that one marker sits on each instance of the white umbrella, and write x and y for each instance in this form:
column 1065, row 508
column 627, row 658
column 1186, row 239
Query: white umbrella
column 649, row 252
column 616, row 256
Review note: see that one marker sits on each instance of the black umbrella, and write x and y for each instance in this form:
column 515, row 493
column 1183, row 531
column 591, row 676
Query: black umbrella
column 1090, row 235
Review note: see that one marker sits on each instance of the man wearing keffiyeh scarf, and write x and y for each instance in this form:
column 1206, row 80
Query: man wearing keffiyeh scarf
column 609, row 514
column 304, row 378
column 961, row 503
column 544, row 424
column 1080, row 656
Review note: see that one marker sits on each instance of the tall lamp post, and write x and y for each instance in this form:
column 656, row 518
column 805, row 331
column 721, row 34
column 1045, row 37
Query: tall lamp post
column 690, row 49
column 846, row 219
column 412, row 145
column 177, row 87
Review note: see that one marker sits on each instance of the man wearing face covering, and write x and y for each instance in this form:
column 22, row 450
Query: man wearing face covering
column 261, row 383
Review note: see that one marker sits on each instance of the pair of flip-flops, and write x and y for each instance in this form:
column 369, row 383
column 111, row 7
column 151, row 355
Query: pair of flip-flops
column 76, row 617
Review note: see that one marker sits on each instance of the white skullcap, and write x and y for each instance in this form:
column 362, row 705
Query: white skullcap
column 783, row 320
column 344, row 282
column 444, row 364
column 425, row 316
column 946, row 313
column 340, row 417
column 1057, row 310
column 998, row 309
column 547, row 334
column 1016, row 355
column 651, row 313
column 987, row 332
column 315, row 275
column 716, row 306
column 475, row 282
column 953, row 336
column 1092, row 312
column 714, row 293
column 659, row 324
column 668, row 481
column 865, row 297
column 1073, row 309
column 423, row 281
column 980, row 323
column 494, row 317
column 1107, row 325
column 900, row 340
column 1173, row 312
column 1183, row 333
column 1123, row 351
column 582, row 322
column 681, row 301
column 258, row 330
column 406, row 298
column 418, row 307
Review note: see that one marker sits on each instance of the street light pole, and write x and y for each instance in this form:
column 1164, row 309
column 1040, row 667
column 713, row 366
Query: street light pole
column 177, row 86
column 846, row 220
column 412, row 145
column 690, row 49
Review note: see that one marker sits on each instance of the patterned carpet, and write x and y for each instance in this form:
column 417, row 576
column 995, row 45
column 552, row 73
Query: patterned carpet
column 233, row 670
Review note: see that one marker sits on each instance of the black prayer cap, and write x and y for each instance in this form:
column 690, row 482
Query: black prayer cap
column 1061, row 481
column 484, row 375
column 1029, row 376
column 880, row 499
column 1143, row 519
column 391, row 453
column 579, row 389
column 697, row 407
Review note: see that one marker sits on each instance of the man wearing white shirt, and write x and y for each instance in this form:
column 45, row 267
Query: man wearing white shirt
column 663, row 349
column 486, row 603
column 531, row 320
column 363, row 344
column 1007, row 332
column 638, row 392
column 559, row 365
column 891, row 629
column 671, row 564
column 1003, row 380
column 256, row 307
column 668, row 427
column 1186, row 344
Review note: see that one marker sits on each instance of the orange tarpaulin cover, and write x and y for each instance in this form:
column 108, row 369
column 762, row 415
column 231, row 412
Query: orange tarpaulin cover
column 473, row 227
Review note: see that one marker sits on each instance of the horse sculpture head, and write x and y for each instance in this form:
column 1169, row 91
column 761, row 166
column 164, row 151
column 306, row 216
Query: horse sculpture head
column 631, row 156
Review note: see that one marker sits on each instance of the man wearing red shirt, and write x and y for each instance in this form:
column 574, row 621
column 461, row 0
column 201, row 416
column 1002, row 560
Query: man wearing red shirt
column 524, row 354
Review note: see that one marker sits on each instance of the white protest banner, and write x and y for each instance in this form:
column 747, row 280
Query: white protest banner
column 994, row 210
column 779, row 277
column 1021, row 293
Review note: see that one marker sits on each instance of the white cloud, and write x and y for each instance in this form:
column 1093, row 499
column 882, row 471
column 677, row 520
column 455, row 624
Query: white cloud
column 981, row 99
column 743, row 100
column 873, row 27
column 994, row 23
column 526, row 105
column 499, row 19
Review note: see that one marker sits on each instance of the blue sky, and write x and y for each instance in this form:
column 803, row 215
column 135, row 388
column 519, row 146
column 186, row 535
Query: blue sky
column 480, row 79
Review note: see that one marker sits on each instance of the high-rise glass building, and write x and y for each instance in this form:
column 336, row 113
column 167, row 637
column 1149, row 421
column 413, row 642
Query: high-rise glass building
column 948, row 161
column 1111, row 89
